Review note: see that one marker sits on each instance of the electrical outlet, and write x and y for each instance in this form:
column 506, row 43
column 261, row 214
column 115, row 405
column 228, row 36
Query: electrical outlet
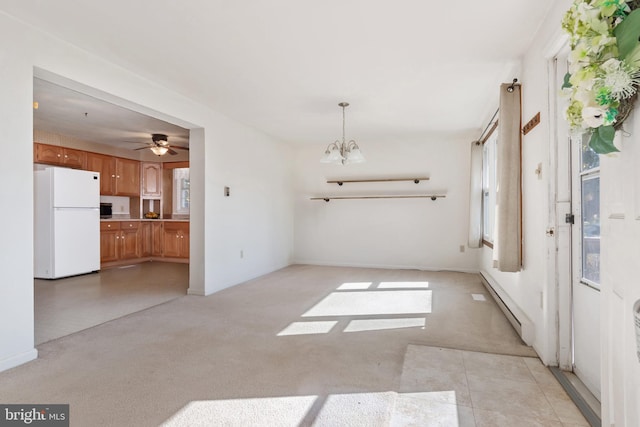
column 461, row 248
column 241, row 253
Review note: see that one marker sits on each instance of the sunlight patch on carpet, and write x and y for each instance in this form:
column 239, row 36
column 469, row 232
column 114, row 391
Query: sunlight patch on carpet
column 286, row 411
column 372, row 303
column 405, row 285
column 306, row 328
column 349, row 286
column 380, row 324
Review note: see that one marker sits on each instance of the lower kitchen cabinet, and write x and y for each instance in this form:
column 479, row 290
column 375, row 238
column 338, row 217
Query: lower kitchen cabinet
column 130, row 240
column 119, row 240
column 156, row 239
column 146, row 236
column 176, row 240
column 109, row 240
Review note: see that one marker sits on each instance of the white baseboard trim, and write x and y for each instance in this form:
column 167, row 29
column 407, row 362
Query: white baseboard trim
column 384, row 266
column 520, row 321
column 18, row 359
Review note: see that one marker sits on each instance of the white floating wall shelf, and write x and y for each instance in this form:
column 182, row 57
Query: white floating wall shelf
column 342, row 181
column 420, row 196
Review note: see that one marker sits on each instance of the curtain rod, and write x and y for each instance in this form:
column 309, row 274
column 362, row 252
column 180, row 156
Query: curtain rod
column 488, row 125
column 509, row 89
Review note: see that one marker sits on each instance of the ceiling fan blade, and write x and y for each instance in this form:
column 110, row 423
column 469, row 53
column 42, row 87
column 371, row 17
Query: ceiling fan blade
column 141, row 148
column 180, row 148
column 172, row 152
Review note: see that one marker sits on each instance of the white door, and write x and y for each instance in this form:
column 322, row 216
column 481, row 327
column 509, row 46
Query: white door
column 577, row 192
column 586, row 263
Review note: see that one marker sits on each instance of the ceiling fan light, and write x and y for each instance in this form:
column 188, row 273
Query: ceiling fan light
column 159, row 150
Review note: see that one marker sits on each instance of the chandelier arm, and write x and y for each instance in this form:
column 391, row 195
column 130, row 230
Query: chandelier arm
column 333, row 145
column 352, row 144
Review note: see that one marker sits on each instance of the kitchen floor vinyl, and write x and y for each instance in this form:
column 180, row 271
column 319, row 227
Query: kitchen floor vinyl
column 65, row 306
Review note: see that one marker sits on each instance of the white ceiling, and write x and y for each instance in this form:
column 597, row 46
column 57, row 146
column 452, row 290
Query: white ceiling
column 67, row 112
column 411, row 69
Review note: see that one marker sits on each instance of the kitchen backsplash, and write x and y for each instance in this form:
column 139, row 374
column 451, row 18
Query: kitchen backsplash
column 120, row 205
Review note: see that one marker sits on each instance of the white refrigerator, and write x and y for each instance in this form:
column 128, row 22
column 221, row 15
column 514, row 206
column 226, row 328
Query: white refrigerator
column 66, row 222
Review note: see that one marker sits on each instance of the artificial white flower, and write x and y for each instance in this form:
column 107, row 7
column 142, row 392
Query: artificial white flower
column 619, row 78
column 593, row 116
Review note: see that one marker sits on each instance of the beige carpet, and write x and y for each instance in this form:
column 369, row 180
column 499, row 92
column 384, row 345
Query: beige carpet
column 304, row 345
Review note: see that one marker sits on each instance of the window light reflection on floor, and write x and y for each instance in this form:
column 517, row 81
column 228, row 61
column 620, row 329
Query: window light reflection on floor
column 306, row 328
column 361, row 325
column 348, row 286
column 405, row 285
column 372, row 303
column 285, row 410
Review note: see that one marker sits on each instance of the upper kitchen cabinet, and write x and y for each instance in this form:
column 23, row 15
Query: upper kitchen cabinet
column 151, row 179
column 59, row 156
column 118, row 176
column 106, row 165
column 127, row 177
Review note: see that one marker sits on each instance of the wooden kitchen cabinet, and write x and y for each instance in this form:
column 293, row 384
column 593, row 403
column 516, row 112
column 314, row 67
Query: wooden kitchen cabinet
column 151, row 239
column 109, row 241
column 58, row 156
column 146, row 236
column 119, row 240
column 176, row 239
column 157, row 235
column 130, row 239
column 106, row 166
column 135, row 241
column 127, row 177
column 118, row 176
column 151, row 179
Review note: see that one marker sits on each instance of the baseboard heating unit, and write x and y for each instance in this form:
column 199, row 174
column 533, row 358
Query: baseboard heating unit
column 516, row 317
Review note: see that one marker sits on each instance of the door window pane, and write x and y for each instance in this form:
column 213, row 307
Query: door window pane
column 591, row 229
column 589, row 158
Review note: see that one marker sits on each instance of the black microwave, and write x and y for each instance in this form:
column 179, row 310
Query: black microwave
column 106, row 210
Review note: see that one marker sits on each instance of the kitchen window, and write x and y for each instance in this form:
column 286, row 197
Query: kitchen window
column 181, row 187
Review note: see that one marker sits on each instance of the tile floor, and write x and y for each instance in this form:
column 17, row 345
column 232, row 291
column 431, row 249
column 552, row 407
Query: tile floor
column 442, row 386
column 69, row 305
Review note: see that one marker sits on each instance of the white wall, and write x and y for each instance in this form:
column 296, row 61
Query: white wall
column 257, row 217
column 620, row 250
column 530, row 289
column 393, row 233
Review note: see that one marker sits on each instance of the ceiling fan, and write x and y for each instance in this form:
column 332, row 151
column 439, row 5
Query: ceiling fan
column 159, row 145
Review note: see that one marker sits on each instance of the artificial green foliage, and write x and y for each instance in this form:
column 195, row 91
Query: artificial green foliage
column 602, row 140
column 604, row 67
column 627, row 34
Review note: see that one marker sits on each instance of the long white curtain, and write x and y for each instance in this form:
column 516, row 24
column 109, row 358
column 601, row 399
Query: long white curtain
column 508, row 230
column 475, row 196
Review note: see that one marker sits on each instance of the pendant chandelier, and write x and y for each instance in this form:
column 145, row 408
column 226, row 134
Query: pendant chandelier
column 342, row 151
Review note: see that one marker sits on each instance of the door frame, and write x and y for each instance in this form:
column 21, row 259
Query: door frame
column 559, row 254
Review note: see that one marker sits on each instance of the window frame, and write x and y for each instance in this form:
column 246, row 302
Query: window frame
column 489, row 183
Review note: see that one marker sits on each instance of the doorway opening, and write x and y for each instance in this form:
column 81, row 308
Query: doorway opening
column 71, row 117
column 577, row 250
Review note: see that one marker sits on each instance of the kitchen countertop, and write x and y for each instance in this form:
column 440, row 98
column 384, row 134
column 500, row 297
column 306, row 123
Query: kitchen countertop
column 145, row 219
